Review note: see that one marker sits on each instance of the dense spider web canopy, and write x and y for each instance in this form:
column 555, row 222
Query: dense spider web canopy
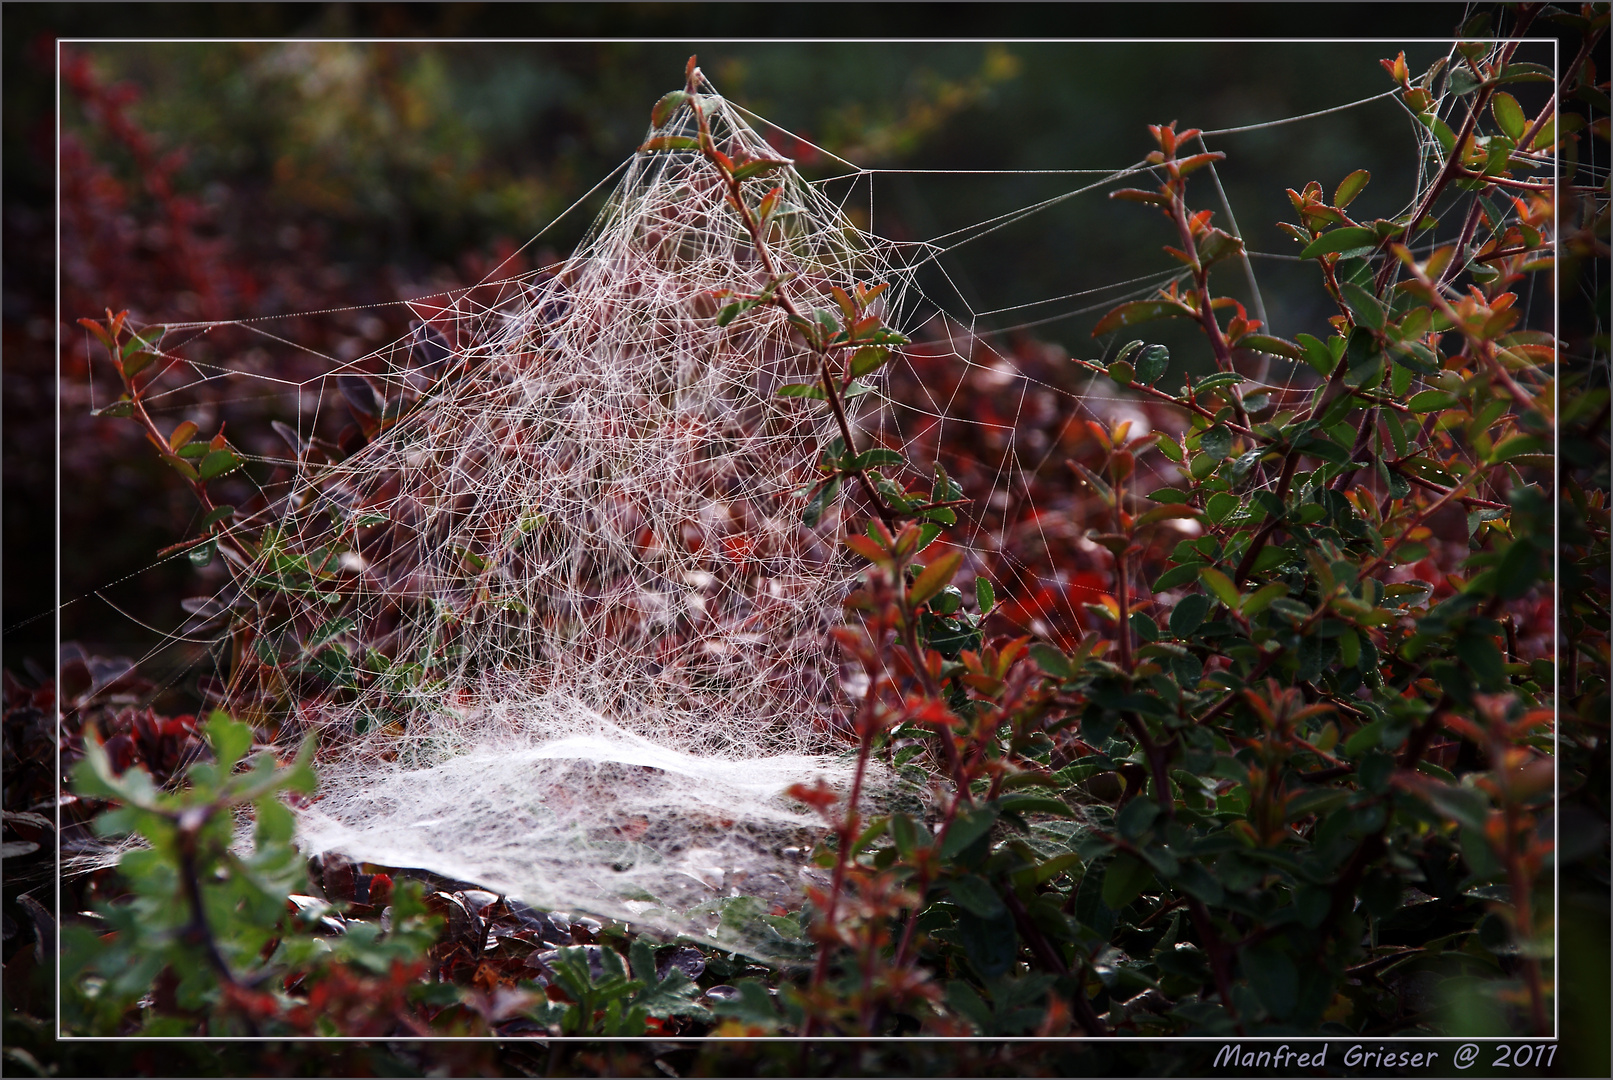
column 587, row 532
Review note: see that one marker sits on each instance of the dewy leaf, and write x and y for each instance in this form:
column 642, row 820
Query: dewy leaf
column 1152, row 364
column 1276, row 346
column 802, row 390
column 1216, row 442
column 1442, row 132
column 669, row 142
column 1189, row 611
column 217, row 463
column 1139, row 311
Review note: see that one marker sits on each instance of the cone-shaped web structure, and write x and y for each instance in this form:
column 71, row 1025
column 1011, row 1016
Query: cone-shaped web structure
column 597, row 618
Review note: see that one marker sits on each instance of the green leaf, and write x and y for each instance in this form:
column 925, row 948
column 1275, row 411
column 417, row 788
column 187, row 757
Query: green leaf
column 975, row 895
column 1221, row 505
column 1189, row 612
column 1177, row 575
column 879, row 455
column 868, row 358
column 1275, row 346
column 1363, row 305
column 1152, row 364
column 218, row 463
column 966, row 828
column 759, row 167
column 990, row 944
column 1138, row 815
column 1352, row 239
column 135, row 363
column 963, row 999
column 1442, row 132
column 730, row 312
column 1317, row 355
column 229, row 738
column 1124, row 880
column 1163, row 513
column 985, row 595
column 327, row 631
column 1121, row 372
column 1219, row 381
column 906, row 834
column 754, row 1007
column 1216, row 442
column 202, row 554
column 1051, row 660
column 1273, row 977
column 1261, row 598
column 668, row 105
column 669, row 142
column 1428, row 401
column 219, row 513
column 1365, row 739
column 1141, row 311
column 1463, row 82
column 820, row 502
column 1510, row 448
column 1221, row 586
column 1018, row 803
column 1509, row 116
column 1350, row 187
column 802, row 390
column 119, row 408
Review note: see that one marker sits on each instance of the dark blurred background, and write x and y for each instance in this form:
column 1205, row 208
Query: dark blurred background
column 234, row 180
